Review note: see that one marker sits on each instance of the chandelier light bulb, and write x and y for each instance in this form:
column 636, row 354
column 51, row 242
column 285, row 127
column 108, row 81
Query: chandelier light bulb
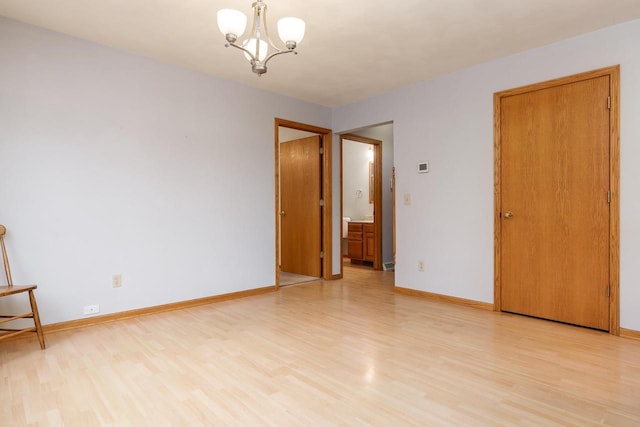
column 231, row 21
column 291, row 29
column 250, row 45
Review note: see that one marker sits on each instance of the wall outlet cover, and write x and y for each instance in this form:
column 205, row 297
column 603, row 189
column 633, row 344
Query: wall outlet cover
column 91, row 309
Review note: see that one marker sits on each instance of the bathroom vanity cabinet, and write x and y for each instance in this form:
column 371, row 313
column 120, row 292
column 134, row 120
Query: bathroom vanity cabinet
column 361, row 241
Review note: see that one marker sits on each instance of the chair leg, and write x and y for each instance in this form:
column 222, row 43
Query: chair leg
column 36, row 319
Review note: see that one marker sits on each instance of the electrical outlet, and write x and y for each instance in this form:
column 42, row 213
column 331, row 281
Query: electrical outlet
column 116, row 280
column 92, row 309
column 420, row 265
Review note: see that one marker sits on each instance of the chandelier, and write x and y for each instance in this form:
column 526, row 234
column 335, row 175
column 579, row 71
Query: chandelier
column 232, row 24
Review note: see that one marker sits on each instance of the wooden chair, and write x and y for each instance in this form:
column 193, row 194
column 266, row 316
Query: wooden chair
column 9, row 289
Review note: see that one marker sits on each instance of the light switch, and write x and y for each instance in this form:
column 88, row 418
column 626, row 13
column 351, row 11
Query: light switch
column 407, row 198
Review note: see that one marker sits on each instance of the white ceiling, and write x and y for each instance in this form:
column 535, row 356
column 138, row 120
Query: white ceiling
column 353, row 49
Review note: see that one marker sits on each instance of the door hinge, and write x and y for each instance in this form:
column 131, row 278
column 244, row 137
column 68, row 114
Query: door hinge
column 608, row 291
column 608, row 196
column 321, row 150
column 321, row 254
column 321, row 202
column 609, row 102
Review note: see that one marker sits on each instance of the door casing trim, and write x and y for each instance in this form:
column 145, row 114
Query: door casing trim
column 614, row 181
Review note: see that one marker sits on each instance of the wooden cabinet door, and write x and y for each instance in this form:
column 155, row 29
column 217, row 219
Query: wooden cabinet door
column 354, row 243
column 355, row 249
column 369, row 242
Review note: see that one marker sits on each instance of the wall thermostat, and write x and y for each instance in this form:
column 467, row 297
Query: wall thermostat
column 423, row 167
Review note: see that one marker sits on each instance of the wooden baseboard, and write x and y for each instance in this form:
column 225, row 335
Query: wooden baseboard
column 444, row 298
column 112, row 317
column 630, row 333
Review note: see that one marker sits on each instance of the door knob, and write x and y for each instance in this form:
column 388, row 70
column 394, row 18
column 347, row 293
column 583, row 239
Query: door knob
column 281, row 213
column 508, row 214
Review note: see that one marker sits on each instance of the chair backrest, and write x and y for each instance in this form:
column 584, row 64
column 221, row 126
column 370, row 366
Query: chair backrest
column 5, row 259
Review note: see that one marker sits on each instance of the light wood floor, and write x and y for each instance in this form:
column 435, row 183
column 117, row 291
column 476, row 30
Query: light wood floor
column 348, row 352
column 287, row 278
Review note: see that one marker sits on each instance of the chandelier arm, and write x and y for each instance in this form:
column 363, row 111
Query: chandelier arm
column 247, row 51
column 279, row 52
column 254, row 24
column 266, row 32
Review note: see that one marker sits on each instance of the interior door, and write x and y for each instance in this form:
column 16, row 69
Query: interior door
column 300, row 211
column 555, row 213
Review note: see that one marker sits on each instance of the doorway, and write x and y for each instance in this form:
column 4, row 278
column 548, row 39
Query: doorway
column 361, row 175
column 557, row 200
column 303, row 203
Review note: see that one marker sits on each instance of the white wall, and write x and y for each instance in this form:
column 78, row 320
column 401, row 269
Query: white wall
column 355, row 180
column 448, row 121
column 113, row 163
column 287, row 134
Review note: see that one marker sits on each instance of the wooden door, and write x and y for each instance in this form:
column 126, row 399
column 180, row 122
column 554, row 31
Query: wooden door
column 555, row 216
column 300, row 194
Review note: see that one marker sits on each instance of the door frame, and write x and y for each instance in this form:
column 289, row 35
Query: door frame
column 377, row 198
column 393, row 213
column 613, row 73
column 325, row 216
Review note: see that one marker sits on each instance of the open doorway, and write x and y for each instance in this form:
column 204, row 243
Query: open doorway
column 303, row 202
column 366, row 196
column 361, row 201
